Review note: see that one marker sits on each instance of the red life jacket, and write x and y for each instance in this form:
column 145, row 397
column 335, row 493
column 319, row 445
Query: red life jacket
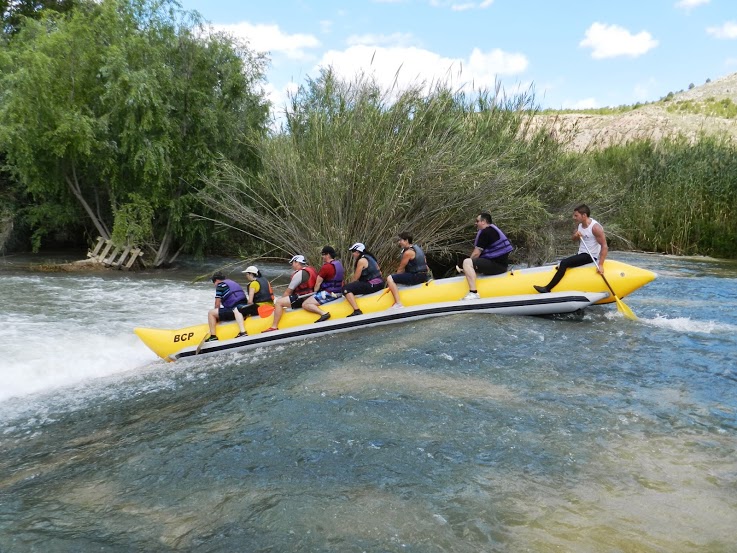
column 309, row 286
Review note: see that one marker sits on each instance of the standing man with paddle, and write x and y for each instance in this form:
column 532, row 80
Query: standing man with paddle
column 592, row 247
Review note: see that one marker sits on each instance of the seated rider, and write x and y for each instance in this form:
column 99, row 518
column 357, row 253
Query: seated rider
column 589, row 233
column 229, row 296
column 490, row 255
column 366, row 278
column 412, row 267
column 259, row 293
column 301, row 286
column 328, row 286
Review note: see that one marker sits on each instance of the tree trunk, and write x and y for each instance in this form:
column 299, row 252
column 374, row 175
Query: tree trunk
column 77, row 191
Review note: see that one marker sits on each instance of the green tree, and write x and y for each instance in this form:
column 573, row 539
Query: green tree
column 124, row 106
column 13, row 12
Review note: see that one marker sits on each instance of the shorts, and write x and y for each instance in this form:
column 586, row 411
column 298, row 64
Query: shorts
column 360, row 287
column 226, row 313
column 249, row 310
column 408, row 279
column 323, row 297
column 296, row 301
column 489, row 266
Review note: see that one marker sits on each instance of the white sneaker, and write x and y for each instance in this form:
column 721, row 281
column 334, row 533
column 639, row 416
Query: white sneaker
column 471, row 296
column 397, row 306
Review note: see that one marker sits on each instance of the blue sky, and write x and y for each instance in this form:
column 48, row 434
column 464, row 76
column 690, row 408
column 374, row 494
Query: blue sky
column 575, row 54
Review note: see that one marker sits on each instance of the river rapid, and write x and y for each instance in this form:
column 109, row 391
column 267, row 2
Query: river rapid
column 467, row 433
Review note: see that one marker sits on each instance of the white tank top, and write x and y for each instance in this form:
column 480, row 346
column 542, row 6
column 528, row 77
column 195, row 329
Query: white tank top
column 590, row 239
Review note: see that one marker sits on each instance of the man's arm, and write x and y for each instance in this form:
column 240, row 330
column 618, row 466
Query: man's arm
column 296, row 281
column 407, row 256
column 220, row 291
column 598, row 232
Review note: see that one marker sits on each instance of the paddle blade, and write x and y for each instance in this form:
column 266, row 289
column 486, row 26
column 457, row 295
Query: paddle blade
column 625, row 310
column 384, row 293
column 265, row 310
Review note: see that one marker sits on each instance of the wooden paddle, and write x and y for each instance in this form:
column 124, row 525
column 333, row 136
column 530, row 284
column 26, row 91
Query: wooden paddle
column 202, row 343
column 623, row 309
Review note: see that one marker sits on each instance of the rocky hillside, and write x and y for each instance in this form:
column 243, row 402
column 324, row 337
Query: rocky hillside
column 710, row 108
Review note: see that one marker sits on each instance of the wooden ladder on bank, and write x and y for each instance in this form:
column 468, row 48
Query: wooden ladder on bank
column 120, row 258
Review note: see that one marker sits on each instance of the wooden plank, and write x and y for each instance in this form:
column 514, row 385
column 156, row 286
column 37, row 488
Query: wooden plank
column 109, row 261
column 122, row 257
column 100, row 242
column 135, row 254
column 103, row 254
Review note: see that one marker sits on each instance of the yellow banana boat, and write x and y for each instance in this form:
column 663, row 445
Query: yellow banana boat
column 509, row 293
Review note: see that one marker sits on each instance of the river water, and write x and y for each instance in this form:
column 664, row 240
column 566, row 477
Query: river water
column 467, row 433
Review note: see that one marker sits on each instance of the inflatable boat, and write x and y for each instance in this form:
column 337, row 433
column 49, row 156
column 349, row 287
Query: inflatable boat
column 511, row 293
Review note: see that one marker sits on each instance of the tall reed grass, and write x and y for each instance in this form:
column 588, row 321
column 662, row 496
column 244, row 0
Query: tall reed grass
column 675, row 196
column 358, row 163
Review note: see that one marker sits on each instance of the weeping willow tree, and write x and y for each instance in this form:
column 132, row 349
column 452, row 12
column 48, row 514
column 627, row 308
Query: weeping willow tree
column 359, row 164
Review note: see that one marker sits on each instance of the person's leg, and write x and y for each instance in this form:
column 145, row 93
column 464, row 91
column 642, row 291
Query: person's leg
column 311, row 305
column 565, row 264
column 470, row 273
column 212, row 319
column 351, row 299
column 394, row 290
column 279, row 306
column 240, row 321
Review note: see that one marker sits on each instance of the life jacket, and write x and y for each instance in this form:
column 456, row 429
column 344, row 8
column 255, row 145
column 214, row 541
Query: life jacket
column 309, row 286
column 264, row 294
column 234, row 296
column 419, row 263
column 588, row 237
column 335, row 285
column 498, row 248
column 371, row 272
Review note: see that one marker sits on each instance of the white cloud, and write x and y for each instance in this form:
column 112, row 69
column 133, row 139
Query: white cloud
column 610, row 41
column 728, row 30
column 690, row 4
column 270, row 38
column 394, row 39
column 461, row 6
column 412, row 66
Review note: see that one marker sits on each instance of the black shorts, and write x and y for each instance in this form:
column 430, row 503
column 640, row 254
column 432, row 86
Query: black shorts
column 295, row 301
column 226, row 313
column 490, row 266
column 361, row 287
column 408, row 279
column 249, row 310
